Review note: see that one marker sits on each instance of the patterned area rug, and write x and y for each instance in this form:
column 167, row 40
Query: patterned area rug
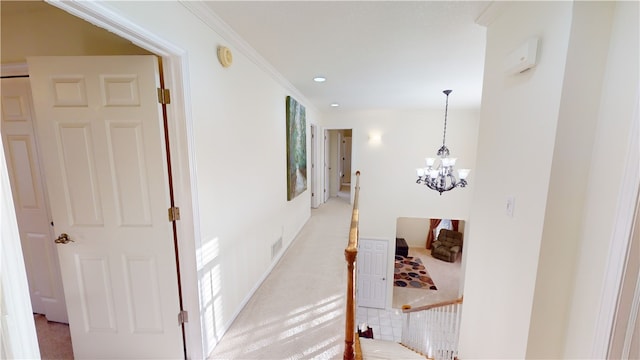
column 409, row 272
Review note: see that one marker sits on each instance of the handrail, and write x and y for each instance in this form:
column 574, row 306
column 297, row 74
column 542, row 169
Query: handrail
column 350, row 254
column 355, row 218
column 432, row 306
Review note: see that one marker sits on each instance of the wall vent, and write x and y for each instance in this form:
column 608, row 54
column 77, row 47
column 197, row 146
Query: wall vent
column 276, row 247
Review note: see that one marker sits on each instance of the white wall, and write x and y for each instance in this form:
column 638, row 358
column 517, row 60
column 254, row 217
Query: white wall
column 47, row 30
column 612, row 150
column 388, row 188
column 562, row 132
column 412, row 230
column 575, row 134
column 388, row 176
column 515, row 147
column 238, row 119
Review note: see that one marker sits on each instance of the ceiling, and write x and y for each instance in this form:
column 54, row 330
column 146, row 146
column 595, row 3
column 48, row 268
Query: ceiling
column 374, row 54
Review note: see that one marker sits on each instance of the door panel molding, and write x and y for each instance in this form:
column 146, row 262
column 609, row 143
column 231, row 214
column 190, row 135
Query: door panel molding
column 372, row 273
column 176, row 71
column 23, row 162
column 108, row 166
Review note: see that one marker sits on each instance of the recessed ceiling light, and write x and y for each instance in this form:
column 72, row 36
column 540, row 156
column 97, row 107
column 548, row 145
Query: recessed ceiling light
column 319, row 79
column 335, row 105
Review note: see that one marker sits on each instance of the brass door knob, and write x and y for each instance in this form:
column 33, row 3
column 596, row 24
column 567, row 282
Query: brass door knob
column 63, row 239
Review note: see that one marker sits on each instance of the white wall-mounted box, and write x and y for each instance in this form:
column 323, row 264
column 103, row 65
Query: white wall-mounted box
column 523, row 58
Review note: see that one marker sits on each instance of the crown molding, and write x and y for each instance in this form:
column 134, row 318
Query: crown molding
column 491, row 12
column 213, row 21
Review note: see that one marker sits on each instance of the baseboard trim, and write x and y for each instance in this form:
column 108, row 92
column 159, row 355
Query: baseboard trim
column 259, row 283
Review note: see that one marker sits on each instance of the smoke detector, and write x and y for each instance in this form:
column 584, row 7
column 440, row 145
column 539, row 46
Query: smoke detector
column 225, row 56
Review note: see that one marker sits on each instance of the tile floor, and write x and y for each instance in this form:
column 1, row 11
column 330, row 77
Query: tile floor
column 385, row 323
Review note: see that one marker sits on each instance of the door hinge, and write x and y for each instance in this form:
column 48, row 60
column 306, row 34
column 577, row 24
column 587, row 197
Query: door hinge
column 183, row 317
column 174, row 213
column 164, row 97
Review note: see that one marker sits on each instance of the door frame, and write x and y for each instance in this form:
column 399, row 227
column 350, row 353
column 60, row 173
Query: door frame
column 16, row 313
column 180, row 128
column 313, row 157
column 620, row 242
column 327, row 131
column 325, row 167
column 20, row 70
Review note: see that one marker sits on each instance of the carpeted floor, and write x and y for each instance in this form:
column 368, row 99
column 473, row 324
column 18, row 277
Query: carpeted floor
column 54, row 339
column 298, row 312
column 444, row 274
column 410, row 272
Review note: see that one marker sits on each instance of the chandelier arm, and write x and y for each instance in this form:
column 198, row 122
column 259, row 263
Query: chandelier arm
column 452, row 184
column 454, row 181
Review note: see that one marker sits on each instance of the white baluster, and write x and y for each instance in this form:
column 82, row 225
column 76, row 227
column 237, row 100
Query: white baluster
column 421, row 343
column 449, row 331
column 433, row 332
column 458, row 316
column 429, row 339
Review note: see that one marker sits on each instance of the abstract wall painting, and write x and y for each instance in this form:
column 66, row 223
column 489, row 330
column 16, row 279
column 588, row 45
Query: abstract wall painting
column 296, row 149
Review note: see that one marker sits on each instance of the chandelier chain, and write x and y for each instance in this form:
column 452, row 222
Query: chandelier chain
column 446, row 109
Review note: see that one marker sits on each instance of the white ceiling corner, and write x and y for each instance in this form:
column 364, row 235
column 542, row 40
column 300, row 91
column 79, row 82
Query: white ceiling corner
column 375, row 54
column 217, row 24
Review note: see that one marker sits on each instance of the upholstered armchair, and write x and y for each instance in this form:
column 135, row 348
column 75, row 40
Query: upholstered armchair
column 447, row 246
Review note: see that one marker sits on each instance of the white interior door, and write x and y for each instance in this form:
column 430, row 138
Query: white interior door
column 32, row 210
column 327, row 167
column 313, row 178
column 372, row 273
column 334, row 163
column 346, row 160
column 100, row 130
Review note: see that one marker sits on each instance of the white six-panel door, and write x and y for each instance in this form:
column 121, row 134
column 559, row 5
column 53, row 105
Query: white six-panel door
column 372, row 273
column 32, row 212
column 100, row 128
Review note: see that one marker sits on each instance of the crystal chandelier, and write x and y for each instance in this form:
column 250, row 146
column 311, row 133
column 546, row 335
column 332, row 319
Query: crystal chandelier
column 440, row 177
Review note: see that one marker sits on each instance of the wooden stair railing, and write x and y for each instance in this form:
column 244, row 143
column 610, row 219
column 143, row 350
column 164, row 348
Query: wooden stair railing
column 433, row 330
column 350, row 254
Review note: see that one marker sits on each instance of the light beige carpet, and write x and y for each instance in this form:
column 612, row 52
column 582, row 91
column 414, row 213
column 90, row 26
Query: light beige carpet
column 445, row 276
column 298, row 312
column 54, row 339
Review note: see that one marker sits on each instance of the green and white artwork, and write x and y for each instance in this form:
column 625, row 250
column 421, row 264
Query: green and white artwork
column 296, row 149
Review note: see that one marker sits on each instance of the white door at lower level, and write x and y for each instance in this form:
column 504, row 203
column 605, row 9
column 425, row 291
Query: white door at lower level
column 372, row 273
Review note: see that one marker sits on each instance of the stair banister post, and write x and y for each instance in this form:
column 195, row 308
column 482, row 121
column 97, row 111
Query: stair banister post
column 350, row 254
column 349, row 333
